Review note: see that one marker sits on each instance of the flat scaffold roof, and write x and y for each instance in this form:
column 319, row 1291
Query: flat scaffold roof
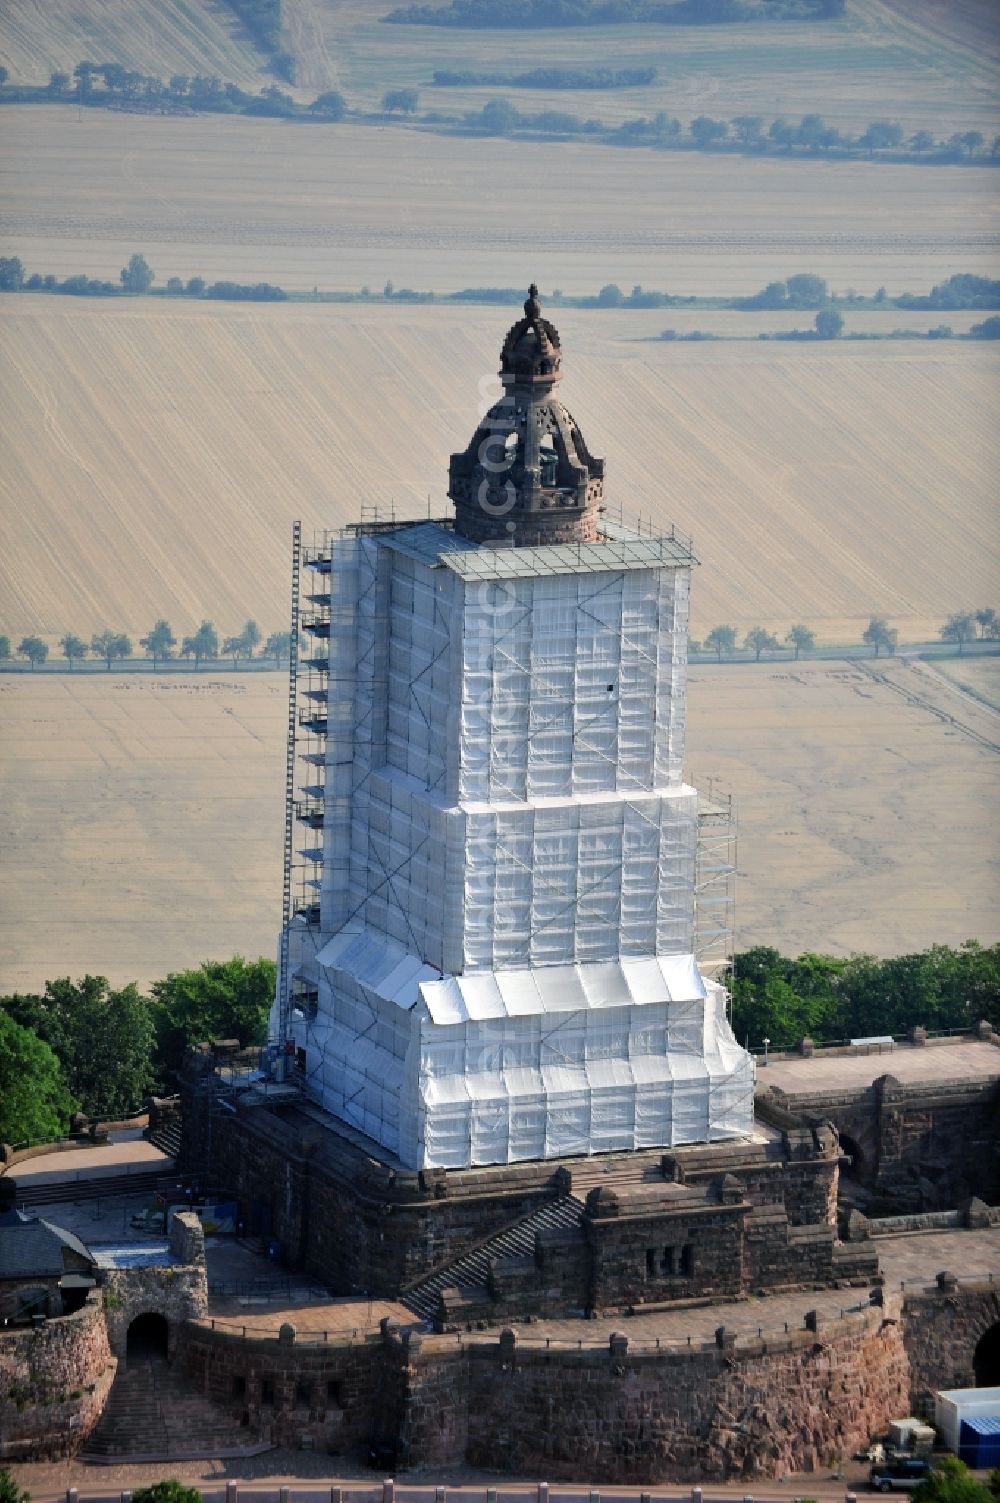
column 618, row 548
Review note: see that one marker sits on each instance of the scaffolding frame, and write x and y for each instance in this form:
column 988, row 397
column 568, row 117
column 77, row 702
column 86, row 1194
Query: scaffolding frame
column 715, row 882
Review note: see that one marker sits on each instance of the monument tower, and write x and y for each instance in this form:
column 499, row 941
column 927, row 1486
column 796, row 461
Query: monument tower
column 493, row 959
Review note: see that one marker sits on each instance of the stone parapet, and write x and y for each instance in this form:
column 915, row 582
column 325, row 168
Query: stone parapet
column 54, row 1380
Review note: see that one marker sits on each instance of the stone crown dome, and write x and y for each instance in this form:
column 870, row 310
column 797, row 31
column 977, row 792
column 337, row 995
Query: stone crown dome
column 531, row 351
column 527, row 477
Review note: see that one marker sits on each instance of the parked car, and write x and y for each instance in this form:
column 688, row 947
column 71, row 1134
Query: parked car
column 899, row 1473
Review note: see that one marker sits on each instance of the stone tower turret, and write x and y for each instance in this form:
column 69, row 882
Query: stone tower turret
column 527, row 478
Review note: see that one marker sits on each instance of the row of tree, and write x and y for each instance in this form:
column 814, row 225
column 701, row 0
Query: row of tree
column 111, row 84
column 832, row 998
column 495, row 14
column 135, row 279
column 160, row 644
column 961, row 627
column 744, row 132
column 86, row 1046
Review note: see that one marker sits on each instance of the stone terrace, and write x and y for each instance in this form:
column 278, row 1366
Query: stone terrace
column 916, row 1258
column 911, row 1064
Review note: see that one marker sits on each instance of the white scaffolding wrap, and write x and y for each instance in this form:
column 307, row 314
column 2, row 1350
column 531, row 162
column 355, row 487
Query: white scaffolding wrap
column 503, row 964
column 501, row 1066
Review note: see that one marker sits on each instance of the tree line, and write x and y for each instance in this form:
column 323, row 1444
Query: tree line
column 832, row 999
column 497, row 14
column 159, row 644
column 811, row 136
column 112, row 86
column 87, row 1046
column 960, row 628
column 136, row 279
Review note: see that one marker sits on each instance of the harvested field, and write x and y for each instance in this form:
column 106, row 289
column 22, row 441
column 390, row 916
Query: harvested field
column 915, row 63
column 158, row 453
column 162, row 37
column 310, row 205
column 141, row 818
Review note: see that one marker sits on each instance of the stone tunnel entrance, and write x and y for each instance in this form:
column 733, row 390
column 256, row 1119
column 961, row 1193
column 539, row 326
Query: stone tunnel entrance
column 986, row 1362
column 147, row 1338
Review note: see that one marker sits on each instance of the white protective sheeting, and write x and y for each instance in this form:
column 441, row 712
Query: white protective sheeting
column 503, row 961
column 512, row 1065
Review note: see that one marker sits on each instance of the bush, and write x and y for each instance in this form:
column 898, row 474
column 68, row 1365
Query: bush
column 167, row 1491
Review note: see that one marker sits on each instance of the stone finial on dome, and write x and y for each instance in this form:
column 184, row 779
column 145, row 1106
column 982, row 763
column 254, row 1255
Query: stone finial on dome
column 531, row 354
column 527, row 477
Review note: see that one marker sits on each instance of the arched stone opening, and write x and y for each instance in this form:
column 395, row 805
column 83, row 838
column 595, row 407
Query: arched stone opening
column 855, row 1170
column 147, row 1337
column 986, row 1361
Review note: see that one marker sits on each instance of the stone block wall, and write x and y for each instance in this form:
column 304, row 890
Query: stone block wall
column 54, row 1381
column 623, row 1416
column 178, row 1292
column 335, row 1395
column 941, row 1329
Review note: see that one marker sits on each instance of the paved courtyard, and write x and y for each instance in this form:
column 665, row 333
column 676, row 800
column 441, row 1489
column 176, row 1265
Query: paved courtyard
column 910, row 1064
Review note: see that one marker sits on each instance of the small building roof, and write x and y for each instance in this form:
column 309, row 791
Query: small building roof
column 31, row 1247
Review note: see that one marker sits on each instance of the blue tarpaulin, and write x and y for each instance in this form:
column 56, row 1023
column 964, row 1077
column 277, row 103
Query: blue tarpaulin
column 979, row 1440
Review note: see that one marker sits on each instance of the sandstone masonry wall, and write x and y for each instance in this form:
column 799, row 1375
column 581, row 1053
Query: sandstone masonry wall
column 54, row 1380
column 941, row 1329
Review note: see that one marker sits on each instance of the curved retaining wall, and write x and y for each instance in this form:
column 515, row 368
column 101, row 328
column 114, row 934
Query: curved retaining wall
column 754, row 1409
column 54, row 1381
column 941, row 1329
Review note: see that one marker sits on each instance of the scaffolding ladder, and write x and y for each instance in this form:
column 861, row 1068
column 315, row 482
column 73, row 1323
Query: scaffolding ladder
column 284, row 989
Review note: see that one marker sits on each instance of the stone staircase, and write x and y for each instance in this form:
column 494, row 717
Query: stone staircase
column 154, row 1414
column 167, row 1137
column 472, row 1269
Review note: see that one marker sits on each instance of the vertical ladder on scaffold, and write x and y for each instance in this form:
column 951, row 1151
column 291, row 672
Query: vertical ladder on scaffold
column 284, row 1005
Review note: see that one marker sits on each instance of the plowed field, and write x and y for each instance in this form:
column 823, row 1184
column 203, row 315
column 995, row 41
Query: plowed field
column 344, row 206
column 157, row 454
column 162, row 37
column 140, row 818
column 935, row 64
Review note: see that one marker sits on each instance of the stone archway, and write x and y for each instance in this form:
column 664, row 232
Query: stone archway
column 147, row 1337
column 986, row 1360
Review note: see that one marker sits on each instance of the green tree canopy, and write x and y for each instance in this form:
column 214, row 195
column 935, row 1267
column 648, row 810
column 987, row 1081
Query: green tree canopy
column 73, row 647
column 404, row 100
column 831, row 999
column 801, row 638
column 878, row 634
column 103, row 1039
column 499, row 117
column 167, row 1491
column 881, row 135
column 759, row 640
column 986, row 619
column 951, row 1481
column 331, row 105
column 960, row 628
column 721, row 639
column 706, row 131
column 159, row 642
column 220, row 999
column 278, row 645
column 34, row 649
column 110, row 645
column 828, row 323
column 4, row 647
column 138, row 275
column 806, row 291
column 203, row 644
column 11, row 273
column 34, row 1101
